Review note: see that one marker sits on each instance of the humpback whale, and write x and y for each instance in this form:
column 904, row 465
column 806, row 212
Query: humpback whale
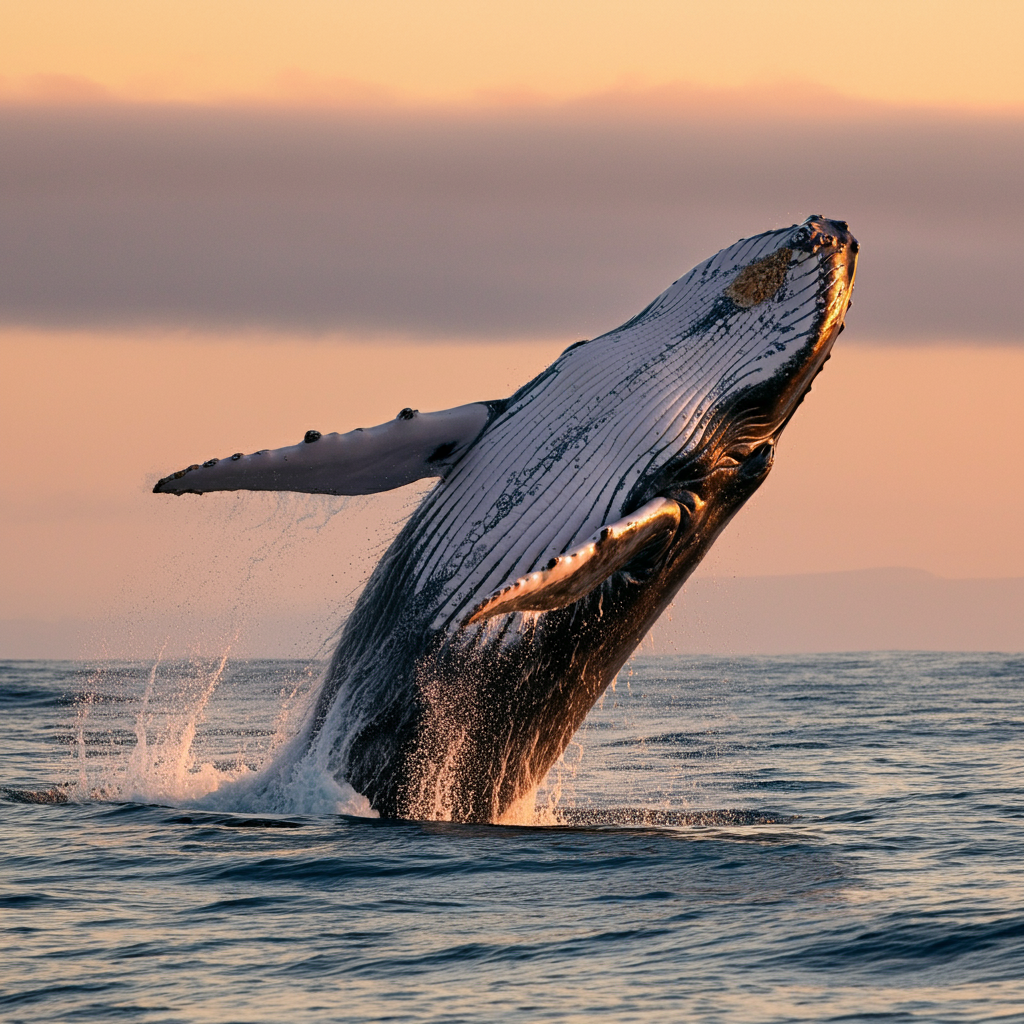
column 564, row 521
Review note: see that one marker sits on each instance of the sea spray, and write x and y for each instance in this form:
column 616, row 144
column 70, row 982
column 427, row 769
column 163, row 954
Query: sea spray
column 166, row 737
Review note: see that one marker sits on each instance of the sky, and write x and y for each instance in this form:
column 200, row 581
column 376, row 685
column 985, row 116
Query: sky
column 222, row 224
column 937, row 53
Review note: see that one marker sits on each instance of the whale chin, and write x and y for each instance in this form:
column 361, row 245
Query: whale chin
column 565, row 519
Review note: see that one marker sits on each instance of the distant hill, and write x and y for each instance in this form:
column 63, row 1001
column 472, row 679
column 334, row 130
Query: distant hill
column 872, row 609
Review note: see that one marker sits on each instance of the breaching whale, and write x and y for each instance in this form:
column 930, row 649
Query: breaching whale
column 564, row 521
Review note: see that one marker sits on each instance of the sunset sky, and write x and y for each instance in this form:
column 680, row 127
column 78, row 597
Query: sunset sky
column 944, row 54
column 222, row 224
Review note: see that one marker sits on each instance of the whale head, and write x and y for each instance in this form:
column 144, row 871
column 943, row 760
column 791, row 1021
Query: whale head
column 763, row 317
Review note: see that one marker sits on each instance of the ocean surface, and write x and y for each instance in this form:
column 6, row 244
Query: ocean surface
column 814, row 838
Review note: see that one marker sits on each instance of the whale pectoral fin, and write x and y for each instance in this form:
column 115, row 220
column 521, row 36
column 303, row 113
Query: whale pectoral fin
column 573, row 575
column 363, row 461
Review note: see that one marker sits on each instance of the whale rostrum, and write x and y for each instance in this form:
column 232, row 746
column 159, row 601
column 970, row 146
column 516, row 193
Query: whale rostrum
column 564, row 521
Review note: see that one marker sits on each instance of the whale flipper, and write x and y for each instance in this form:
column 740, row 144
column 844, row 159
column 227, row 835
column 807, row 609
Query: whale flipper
column 411, row 446
column 573, row 575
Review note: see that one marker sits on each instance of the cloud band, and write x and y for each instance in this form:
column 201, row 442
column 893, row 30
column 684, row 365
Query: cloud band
column 510, row 223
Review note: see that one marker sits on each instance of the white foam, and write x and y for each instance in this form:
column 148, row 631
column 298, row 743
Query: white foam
column 169, row 765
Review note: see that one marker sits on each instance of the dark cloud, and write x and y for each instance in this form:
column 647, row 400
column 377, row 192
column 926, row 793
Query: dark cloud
column 487, row 224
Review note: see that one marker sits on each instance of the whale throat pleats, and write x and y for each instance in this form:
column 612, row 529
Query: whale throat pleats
column 410, row 447
column 574, row 574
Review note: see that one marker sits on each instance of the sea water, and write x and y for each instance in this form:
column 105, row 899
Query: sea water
column 811, row 838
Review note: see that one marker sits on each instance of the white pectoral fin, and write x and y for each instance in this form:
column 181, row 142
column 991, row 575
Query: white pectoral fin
column 573, row 575
column 411, row 446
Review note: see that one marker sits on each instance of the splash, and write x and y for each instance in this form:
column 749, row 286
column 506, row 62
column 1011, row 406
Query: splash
column 180, row 740
column 235, row 737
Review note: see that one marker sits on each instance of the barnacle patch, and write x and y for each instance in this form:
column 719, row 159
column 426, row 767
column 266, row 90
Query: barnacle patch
column 760, row 280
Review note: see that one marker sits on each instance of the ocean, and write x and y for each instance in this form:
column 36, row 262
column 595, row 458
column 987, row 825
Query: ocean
column 807, row 838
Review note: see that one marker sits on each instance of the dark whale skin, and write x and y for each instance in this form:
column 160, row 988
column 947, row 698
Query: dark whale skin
column 429, row 718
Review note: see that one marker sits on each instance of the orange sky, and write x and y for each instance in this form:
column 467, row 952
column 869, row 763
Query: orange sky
column 902, row 456
column 962, row 54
